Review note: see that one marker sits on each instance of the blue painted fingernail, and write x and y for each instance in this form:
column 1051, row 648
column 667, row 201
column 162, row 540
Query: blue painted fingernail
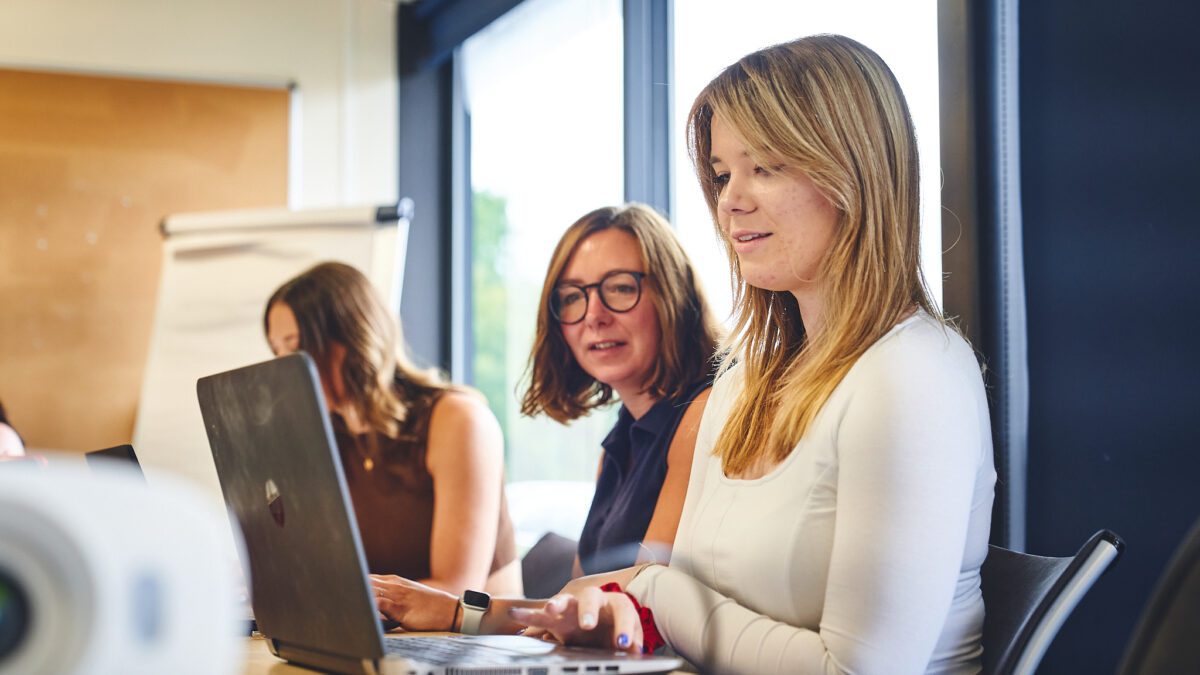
column 622, row 641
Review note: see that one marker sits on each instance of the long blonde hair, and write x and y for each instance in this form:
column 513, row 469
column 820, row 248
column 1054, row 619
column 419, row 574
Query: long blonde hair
column 334, row 302
column 558, row 386
column 831, row 108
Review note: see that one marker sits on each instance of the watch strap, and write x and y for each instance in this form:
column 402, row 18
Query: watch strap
column 474, row 605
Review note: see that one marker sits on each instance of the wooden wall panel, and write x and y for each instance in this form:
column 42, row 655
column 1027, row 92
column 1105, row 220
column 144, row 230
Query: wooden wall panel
column 88, row 168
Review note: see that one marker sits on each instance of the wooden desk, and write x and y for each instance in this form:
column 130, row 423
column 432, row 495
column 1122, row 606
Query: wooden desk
column 260, row 661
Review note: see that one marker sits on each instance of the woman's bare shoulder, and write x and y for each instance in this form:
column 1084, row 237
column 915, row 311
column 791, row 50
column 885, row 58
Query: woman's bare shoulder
column 460, row 423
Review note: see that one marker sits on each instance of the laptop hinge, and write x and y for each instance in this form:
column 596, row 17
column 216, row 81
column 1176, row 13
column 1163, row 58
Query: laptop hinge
column 323, row 660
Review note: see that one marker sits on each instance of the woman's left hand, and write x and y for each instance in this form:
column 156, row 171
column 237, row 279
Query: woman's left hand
column 415, row 606
column 587, row 617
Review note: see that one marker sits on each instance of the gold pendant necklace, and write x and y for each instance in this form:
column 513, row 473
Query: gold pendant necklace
column 368, row 463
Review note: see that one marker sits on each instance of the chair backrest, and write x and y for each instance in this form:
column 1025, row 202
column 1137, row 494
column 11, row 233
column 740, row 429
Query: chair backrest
column 547, row 567
column 1027, row 598
column 1165, row 640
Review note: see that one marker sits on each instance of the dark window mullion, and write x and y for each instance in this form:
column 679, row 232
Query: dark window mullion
column 649, row 133
column 462, row 233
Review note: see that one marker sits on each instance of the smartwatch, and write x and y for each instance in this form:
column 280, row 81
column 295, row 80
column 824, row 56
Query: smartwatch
column 474, row 604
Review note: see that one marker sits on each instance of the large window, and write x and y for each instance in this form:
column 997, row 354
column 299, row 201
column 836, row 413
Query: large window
column 543, row 90
column 543, row 87
column 711, row 34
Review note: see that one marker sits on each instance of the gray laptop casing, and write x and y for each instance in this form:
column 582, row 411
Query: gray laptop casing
column 269, row 432
column 282, row 479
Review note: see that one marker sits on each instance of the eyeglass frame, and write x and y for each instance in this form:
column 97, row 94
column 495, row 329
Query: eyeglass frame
column 599, row 286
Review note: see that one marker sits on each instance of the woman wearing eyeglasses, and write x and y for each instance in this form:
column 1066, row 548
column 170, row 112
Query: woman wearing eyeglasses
column 623, row 315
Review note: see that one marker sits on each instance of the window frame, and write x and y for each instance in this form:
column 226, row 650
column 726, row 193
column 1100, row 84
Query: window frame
column 437, row 276
column 435, row 145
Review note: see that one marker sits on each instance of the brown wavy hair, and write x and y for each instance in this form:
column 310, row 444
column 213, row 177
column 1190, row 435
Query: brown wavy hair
column 335, row 303
column 558, row 386
column 831, row 108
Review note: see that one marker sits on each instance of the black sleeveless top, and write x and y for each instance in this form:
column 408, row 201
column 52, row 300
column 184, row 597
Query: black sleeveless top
column 631, row 476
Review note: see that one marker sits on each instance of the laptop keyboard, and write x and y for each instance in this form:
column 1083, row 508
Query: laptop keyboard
column 462, row 654
column 444, row 651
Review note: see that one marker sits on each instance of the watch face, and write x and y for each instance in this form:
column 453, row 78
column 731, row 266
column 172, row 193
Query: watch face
column 477, row 599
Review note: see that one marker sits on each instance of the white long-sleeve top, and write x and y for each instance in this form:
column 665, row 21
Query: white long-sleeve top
column 858, row 553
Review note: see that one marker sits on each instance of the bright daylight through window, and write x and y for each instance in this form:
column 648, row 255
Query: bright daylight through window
column 544, row 94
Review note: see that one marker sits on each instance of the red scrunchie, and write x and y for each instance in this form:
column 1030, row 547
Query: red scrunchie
column 651, row 638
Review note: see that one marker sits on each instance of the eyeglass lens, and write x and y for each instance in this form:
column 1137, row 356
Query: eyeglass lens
column 619, row 291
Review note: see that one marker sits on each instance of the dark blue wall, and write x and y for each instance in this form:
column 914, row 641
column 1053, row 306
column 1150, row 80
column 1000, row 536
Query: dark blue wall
column 1110, row 143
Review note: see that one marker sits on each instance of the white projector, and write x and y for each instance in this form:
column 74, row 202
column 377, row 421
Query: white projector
column 101, row 573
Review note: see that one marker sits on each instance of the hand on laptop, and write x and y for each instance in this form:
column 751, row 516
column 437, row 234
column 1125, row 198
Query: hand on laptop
column 415, row 606
column 588, row 617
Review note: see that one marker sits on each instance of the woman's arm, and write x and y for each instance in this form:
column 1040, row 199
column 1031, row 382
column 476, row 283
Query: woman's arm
column 465, row 456
column 910, row 446
column 660, row 533
column 418, row 607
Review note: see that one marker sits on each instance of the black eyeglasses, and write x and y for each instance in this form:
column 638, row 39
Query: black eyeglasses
column 618, row 291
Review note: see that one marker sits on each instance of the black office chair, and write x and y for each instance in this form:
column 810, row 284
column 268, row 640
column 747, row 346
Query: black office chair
column 1027, row 598
column 1165, row 640
column 546, row 568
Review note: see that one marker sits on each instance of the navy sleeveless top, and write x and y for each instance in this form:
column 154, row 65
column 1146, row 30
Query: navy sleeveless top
column 631, row 476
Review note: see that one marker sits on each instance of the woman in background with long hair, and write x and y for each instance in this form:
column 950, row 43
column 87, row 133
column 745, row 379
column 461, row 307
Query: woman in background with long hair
column 423, row 459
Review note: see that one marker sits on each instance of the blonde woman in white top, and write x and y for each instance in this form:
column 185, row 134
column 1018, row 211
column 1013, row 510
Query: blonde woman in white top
column 840, row 497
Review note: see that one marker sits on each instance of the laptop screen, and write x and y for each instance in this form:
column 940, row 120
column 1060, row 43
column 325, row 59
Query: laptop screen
column 282, row 479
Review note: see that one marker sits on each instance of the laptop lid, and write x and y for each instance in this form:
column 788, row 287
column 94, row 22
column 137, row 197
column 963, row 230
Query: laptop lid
column 282, row 479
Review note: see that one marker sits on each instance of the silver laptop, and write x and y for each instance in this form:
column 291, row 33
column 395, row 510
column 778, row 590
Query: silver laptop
column 282, row 479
